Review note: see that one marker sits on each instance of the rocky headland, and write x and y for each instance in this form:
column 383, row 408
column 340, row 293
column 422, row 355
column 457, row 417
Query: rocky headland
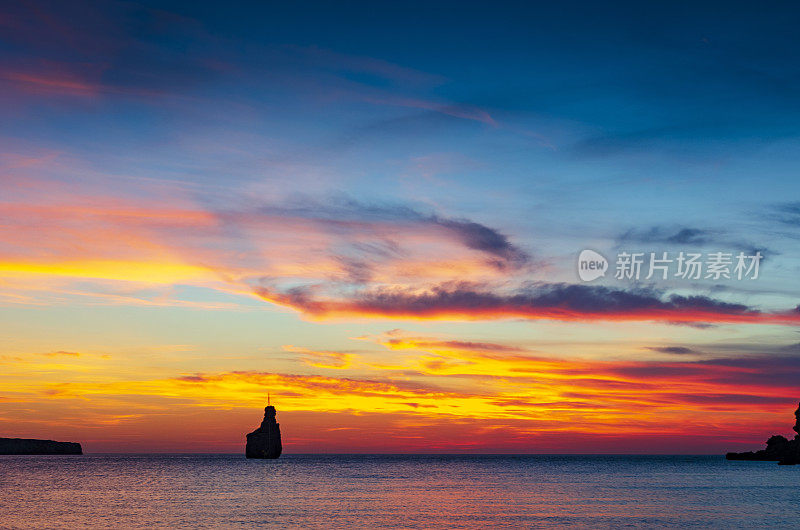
column 779, row 448
column 27, row 446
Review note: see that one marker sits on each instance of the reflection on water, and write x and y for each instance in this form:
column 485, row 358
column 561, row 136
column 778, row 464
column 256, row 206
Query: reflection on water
column 395, row 491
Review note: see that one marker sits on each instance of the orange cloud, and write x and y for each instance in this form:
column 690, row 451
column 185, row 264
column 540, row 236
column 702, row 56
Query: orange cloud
column 62, row 352
column 436, row 384
column 323, row 359
column 49, row 83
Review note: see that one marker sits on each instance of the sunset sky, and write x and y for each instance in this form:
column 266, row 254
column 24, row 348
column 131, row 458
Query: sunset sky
column 374, row 212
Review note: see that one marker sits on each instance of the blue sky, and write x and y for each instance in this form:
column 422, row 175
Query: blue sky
column 355, row 189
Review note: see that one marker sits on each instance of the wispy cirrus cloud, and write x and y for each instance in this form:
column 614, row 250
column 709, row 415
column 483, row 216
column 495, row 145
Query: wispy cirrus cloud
column 688, row 237
column 113, row 52
column 787, row 213
column 456, row 110
column 63, row 352
column 49, row 83
column 343, row 212
column 54, row 230
column 672, row 235
column 328, row 59
column 397, row 339
column 323, row 359
column 329, row 257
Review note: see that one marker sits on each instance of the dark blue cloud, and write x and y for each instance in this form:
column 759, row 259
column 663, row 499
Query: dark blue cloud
column 686, row 236
column 556, row 301
column 788, row 214
column 675, row 350
column 672, row 235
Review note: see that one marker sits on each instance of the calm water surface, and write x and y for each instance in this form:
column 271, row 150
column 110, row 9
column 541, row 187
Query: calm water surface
column 150, row 491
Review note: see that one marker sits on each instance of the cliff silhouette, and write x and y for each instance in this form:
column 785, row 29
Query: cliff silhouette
column 265, row 442
column 779, row 448
column 29, row 446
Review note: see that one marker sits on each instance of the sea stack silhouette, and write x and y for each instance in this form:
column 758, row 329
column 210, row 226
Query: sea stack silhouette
column 785, row 452
column 265, row 442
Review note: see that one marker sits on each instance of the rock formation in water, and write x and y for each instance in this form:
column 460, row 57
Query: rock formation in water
column 779, row 448
column 27, row 446
column 265, row 442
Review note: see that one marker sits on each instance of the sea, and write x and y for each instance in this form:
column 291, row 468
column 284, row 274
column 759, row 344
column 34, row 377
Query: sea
column 396, row 491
